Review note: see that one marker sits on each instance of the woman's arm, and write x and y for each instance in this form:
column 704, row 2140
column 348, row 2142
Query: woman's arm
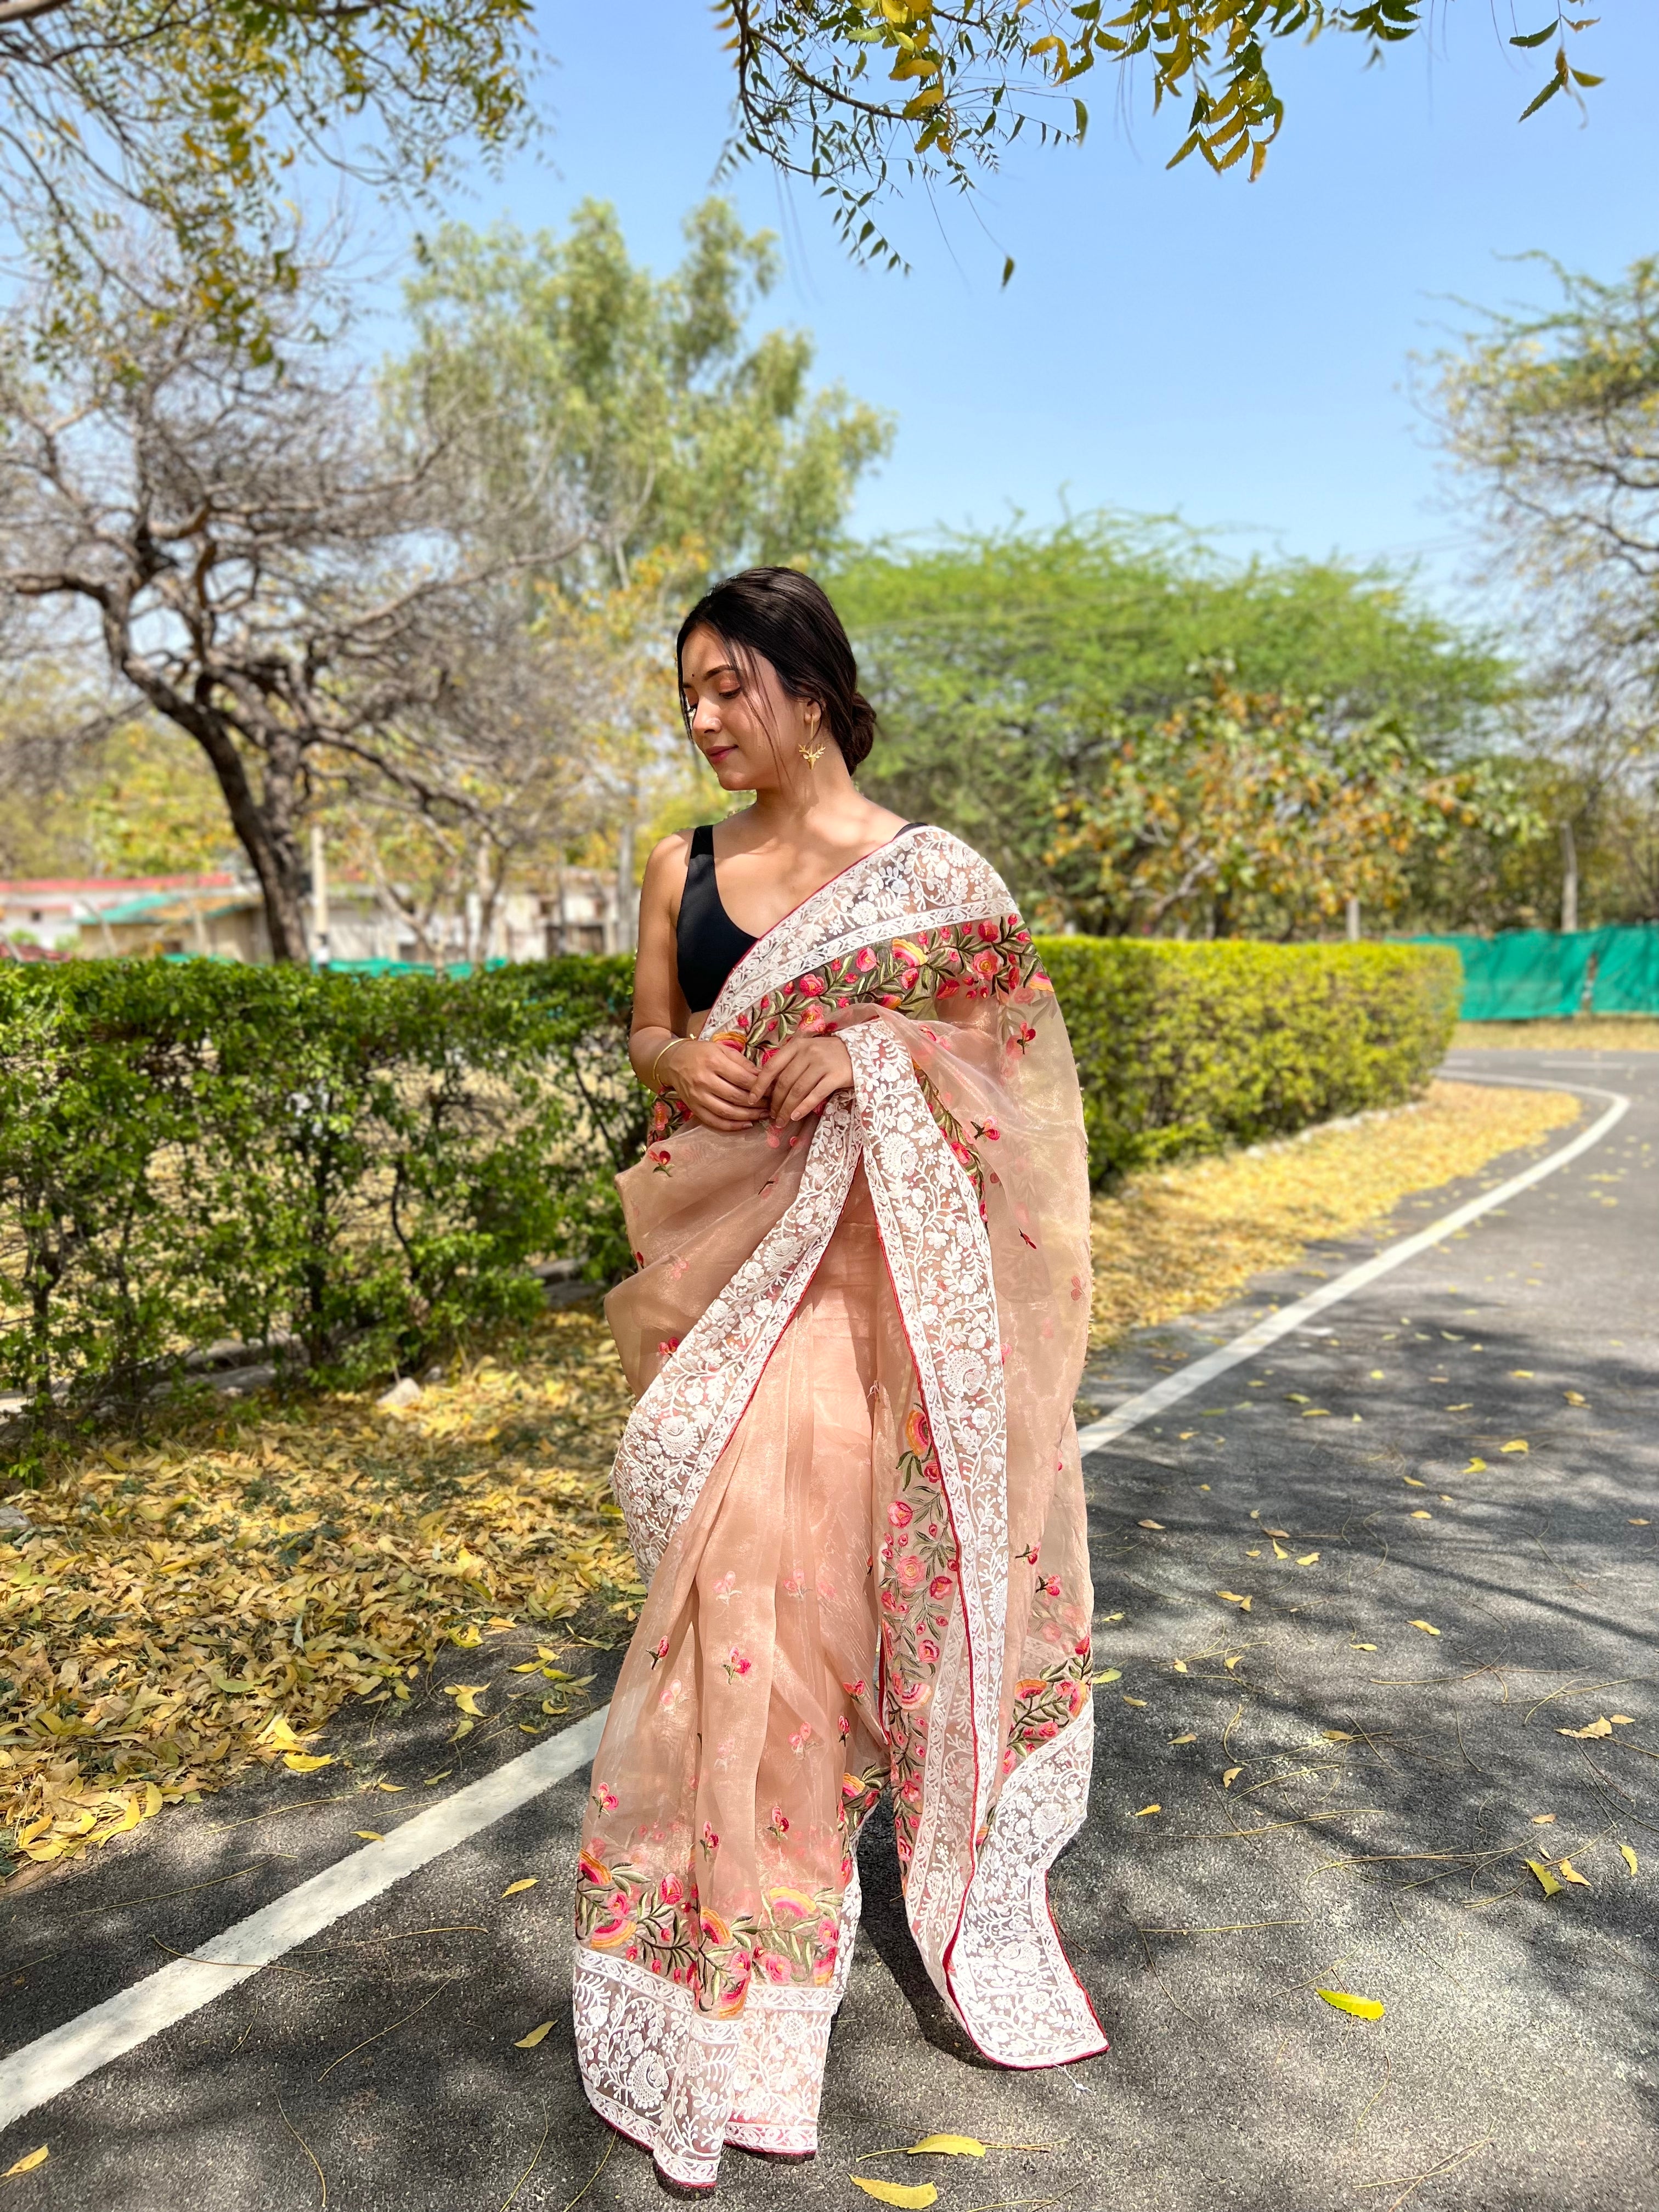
column 715, row 1081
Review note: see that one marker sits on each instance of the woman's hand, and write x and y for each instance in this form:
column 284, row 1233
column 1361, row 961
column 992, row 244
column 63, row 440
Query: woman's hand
column 803, row 1073
column 721, row 1088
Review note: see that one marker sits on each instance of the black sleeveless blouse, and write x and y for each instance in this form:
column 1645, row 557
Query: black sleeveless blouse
column 707, row 943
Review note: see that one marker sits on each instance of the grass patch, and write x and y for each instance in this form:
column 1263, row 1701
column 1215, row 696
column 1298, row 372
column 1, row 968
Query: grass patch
column 187, row 1605
column 1191, row 1237
column 1579, row 1033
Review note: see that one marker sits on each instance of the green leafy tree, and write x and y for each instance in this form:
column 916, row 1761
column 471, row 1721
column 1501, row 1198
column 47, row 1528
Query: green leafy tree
column 642, row 403
column 1003, row 666
column 863, row 96
column 1246, row 814
column 1551, row 419
column 197, row 114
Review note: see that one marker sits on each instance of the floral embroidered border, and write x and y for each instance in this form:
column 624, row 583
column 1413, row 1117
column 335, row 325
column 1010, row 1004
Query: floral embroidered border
column 686, row 1414
column 684, row 2083
column 938, row 1256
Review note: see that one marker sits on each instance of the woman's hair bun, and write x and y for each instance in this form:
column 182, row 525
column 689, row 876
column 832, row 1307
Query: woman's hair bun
column 787, row 619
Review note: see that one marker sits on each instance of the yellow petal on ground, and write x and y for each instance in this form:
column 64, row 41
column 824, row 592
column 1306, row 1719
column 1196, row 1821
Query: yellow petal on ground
column 1361, row 2008
column 1411, row 1482
column 1307, row 1559
column 526, row 1881
column 1629, row 1857
column 1189, row 1738
column 1128, row 1700
column 536, row 2035
column 1427, row 1627
column 1422, row 1513
column 466, row 1697
column 1230, row 1777
column 912, row 2196
column 1517, row 1445
column 1158, row 1525
column 28, row 2161
column 305, row 1762
column 1475, row 1467
column 1543, row 1819
column 1600, row 1726
column 1233, row 1597
column 1567, row 1872
column 1234, row 1661
column 1280, row 1552
column 1336, row 1735
column 1574, row 1397
column 1362, row 1647
column 1180, row 1666
column 1546, row 1880
column 1522, row 1373
column 371, row 1835
column 950, row 2146
column 1622, row 1720
column 1315, row 1413
column 1145, row 1809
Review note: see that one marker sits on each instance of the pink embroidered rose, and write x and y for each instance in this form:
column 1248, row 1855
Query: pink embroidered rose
column 900, row 1514
column 661, row 1651
column 1051, row 1586
column 725, row 1586
column 843, row 1727
column 990, row 931
column 604, row 1797
column 911, row 1571
column 986, row 964
column 811, row 986
column 941, row 1586
column 670, row 1890
column 738, row 1664
column 917, row 1434
column 711, row 1843
column 927, row 1651
column 780, row 1819
column 1010, row 1759
column 771, row 1967
column 667, row 1346
column 866, row 961
column 854, row 1689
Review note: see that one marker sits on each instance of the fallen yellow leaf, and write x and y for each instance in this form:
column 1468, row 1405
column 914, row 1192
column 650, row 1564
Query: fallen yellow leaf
column 1315, row 1413
column 1158, row 1525
column 1280, row 1552
column 913, row 2197
column 1621, row 1720
column 29, row 2160
column 1230, row 1777
column 1108, row 1675
column 1362, row 1647
column 1411, row 1482
column 536, row 2035
column 1522, row 1373
column 1337, row 1735
column 1180, row 1666
column 1574, row 1397
column 1546, row 1880
column 1307, row 1559
column 950, row 2146
column 1361, row 2008
column 1567, row 1872
column 1629, row 1857
column 466, row 1695
column 277, row 1732
column 1600, row 1726
column 1543, row 1819
column 526, row 1881
column 1230, row 1663
column 305, row 1762
column 371, row 1835
column 1377, row 1374
column 1233, row 1597
column 1128, row 1700
column 1145, row 1809
column 1475, row 1467
column 1189, row 1738
column 1519, row 1444
column 1427, row 1627
column 1422, row 1513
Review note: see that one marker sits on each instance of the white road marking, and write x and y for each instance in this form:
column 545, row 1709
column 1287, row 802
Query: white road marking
column 56, row 2061
column 1174, row 1388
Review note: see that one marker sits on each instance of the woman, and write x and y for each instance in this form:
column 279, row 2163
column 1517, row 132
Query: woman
column 851, row 1479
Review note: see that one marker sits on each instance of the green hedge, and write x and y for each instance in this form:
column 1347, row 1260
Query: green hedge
column 1189, row 1048
column 354, row 1168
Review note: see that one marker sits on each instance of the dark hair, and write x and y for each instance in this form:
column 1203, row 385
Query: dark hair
column 787, row 619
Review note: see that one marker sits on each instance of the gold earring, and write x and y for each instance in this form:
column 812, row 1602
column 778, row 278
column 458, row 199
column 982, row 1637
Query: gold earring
column 811, row 754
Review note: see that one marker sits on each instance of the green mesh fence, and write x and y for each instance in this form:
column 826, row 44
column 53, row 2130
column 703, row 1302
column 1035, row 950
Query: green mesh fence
column 1627, row 971
column 1526, row 973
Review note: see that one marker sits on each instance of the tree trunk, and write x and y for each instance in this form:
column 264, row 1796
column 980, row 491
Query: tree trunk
column 1569, row 880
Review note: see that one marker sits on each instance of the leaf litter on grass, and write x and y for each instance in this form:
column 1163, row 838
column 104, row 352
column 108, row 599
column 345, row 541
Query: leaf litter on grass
column 185, row 1605
column 1190, row 1238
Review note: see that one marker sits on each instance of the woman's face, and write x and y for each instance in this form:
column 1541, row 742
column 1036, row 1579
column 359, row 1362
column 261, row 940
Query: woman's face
column 745, row 725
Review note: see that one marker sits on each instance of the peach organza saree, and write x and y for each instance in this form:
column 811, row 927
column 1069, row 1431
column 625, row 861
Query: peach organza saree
column 852, row 1484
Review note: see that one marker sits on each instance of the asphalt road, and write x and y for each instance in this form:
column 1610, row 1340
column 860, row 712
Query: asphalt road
column 1391, row 1784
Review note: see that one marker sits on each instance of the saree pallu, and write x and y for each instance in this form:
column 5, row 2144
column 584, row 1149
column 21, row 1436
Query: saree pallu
column 851, row 1482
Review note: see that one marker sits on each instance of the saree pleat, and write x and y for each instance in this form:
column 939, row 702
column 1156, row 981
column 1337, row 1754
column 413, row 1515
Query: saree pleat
column 852, row 1482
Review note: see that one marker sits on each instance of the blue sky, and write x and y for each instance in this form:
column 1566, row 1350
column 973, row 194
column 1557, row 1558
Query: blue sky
column 1172, row 341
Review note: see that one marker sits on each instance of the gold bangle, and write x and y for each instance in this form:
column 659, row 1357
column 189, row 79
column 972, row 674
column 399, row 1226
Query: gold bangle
column 657, row 1062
